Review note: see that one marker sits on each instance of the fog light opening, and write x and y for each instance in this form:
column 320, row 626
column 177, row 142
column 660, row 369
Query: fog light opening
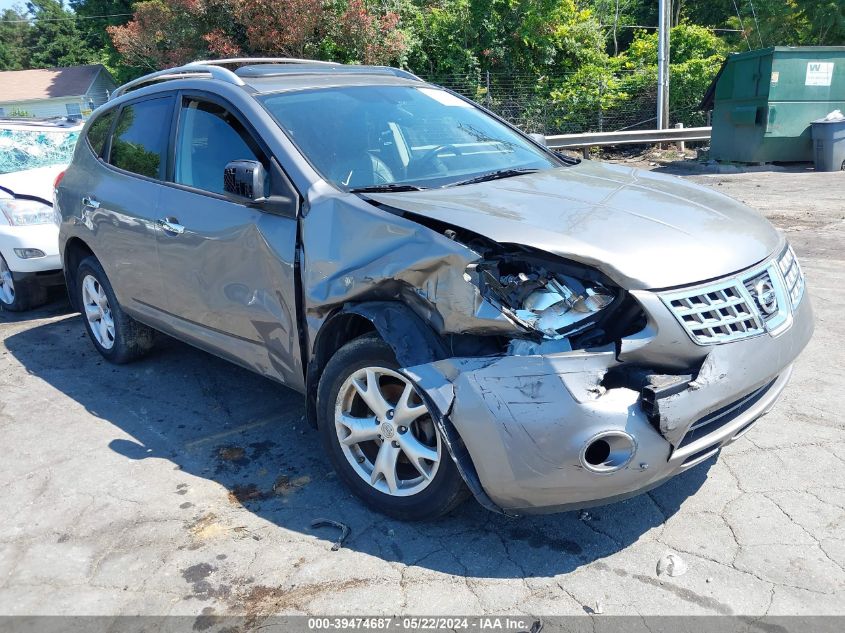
column 608, row 452
column 597, row 453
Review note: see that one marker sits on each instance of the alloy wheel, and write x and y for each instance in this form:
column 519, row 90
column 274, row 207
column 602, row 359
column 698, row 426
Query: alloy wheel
column 7, row 284
column 386, row 432
column 98, row 312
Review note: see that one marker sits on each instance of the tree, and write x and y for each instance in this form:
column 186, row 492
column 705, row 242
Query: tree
column 163, row 34
column 793, row 22
column 697, row 55
column 53, row 39
column 97, row 16
column 14, row 34
column 279, row 27
column 370, row 38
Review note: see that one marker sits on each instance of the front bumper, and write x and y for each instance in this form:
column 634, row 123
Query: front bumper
column 526, row 420
column 44, row 237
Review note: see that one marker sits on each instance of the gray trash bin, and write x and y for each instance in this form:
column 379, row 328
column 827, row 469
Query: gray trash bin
column 829, row 144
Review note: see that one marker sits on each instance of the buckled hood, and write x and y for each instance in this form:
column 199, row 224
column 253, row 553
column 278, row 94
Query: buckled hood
column 644, row 230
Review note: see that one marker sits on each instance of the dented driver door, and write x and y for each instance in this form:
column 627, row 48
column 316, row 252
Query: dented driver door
column 227, row 268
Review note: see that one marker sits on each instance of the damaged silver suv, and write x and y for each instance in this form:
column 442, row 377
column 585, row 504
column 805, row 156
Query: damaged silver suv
column 464, row 310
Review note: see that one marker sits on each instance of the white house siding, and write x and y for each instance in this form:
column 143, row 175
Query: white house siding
column 43, row 107
column 98, row 93
column 100, row 89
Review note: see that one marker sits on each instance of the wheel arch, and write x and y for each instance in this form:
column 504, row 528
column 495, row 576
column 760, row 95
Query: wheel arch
column 413, row 342
column 75, row 250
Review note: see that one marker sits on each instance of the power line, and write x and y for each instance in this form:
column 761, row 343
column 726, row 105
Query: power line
column 742, row 26
column 756, row 23
column 66, row 19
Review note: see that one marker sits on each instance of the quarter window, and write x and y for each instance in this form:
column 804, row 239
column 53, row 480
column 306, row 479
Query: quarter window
column 99, row 131
column 139, row 142
column 209, row 137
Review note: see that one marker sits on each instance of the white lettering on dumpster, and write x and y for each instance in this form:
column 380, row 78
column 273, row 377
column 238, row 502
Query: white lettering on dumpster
column 819, row 73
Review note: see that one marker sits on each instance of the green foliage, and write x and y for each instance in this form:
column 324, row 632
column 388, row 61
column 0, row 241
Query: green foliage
column 53, row 39
column 98, row 16
column 445, row 40
column 584, row 96
column 686, row 42
column 696, row 56
column 13, row 36
column 793, row 23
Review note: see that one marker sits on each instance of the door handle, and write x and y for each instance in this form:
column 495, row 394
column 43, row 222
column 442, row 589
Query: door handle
column 171, row 226
column 90, row 202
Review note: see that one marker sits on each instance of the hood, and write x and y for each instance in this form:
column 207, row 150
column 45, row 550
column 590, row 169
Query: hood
column 643, row 230
column 33, row 182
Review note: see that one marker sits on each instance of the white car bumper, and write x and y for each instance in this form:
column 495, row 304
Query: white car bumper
column 44, row 237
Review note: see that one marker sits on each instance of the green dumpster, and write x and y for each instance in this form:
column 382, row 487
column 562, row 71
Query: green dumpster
column 763, row 102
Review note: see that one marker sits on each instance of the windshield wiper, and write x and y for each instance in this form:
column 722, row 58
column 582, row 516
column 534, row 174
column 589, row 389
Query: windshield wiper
column 496, row 175
column 388, row 188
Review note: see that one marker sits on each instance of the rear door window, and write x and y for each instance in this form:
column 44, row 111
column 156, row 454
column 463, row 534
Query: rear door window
column 209, row 138
column 139, row 142
column 99, row 131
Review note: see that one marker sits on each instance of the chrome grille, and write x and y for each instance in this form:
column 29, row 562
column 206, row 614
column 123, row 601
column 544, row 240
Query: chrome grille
column 716, row 313
column 746, row 304
column 792, row 275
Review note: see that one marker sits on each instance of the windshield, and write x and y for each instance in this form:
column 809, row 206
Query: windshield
column 360, row 137
column 30, row 149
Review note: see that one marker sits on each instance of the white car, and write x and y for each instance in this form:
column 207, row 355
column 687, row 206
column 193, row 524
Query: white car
column 33, row 154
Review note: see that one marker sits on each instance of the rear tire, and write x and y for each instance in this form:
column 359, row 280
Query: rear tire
column 19, row 292
column 118, row 337
column 387, row 448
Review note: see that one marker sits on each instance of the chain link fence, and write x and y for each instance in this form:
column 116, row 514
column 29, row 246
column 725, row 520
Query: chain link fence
column 555, row 105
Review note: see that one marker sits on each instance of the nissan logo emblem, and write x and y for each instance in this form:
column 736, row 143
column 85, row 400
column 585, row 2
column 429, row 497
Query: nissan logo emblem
column 765, row 294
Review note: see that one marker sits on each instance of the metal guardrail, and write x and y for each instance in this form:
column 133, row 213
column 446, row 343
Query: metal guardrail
column 628, row 137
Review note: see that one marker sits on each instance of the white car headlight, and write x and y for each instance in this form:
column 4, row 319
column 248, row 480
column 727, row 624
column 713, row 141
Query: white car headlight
column 26, row 212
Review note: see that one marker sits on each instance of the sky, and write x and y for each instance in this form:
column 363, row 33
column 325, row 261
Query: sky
column 7, row 4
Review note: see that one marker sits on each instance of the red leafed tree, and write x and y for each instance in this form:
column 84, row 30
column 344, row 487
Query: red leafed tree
column 167, row 33
column 279, row 27
column 220, row 43
column 372, row 38
column 161, row 34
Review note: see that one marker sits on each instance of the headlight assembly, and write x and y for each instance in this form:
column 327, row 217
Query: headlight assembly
column 551, row 302
column 26, row 212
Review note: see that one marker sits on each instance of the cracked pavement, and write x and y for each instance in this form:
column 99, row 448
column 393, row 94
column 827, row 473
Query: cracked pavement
column 185, row 485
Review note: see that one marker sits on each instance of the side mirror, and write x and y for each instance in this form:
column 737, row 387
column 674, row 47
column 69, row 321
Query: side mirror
column 538, row 138
column 245, row 179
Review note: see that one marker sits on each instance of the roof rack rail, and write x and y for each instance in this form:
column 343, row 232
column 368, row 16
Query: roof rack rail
column 294, row 60
column 188, row 71
column 214, row 68
column 263, row 60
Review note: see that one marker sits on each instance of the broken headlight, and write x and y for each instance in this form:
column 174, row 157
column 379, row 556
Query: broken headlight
column 553, row 303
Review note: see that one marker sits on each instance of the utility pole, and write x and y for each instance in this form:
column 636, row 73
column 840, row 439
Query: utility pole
column 663, row 28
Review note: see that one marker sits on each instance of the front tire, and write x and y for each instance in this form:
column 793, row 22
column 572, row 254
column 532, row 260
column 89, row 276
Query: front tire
column 17, row 293
column 380, row 436
column 118, row 337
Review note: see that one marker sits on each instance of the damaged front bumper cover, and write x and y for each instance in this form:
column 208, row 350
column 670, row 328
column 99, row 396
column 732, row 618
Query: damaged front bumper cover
column 526, row 422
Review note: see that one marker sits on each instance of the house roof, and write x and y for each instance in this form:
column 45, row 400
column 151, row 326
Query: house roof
column 47, row 83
